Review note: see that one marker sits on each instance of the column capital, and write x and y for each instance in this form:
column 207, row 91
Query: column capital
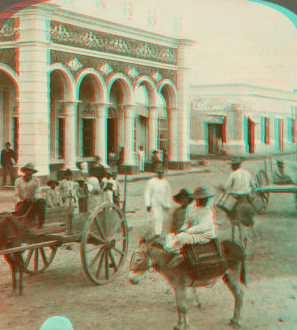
column 69, row 107
column 101, row 108
column 128, row 109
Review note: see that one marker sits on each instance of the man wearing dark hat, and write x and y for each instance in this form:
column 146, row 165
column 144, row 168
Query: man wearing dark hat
column 183, row 199
column 8, row 159
column 155, row 160
column 97, row 170
column 279, row 175
column 199, row 225
column 28, row 195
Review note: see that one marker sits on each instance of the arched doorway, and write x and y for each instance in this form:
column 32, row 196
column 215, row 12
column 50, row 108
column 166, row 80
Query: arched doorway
column 9, row 124
column 57, row 118
column 86, row 118
column 115, row 138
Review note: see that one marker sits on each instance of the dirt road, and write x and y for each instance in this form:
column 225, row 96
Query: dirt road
column 270, row 300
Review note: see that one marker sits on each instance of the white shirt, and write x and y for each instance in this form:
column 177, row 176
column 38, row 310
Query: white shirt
column 27, row 190
column 240, row 182
column 200, row 220
column 158, row 192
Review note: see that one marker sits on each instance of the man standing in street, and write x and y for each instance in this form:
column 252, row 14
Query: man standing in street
column 8, row 160
column 140, row 154
column 155, row 160
column 158, row 199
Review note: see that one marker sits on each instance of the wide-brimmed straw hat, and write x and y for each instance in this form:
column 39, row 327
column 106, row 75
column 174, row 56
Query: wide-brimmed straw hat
column 183, row 192
column 29, row 168
column 50, row 183
column 202, row 192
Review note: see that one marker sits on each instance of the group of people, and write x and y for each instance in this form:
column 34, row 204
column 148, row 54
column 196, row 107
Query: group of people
column 8, row 161
column 194, row 220
column 157, row 161
column 101, row 183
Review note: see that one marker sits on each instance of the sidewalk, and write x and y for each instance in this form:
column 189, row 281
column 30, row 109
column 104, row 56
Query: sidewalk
column 147, row 175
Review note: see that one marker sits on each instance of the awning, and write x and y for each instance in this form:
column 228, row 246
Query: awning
column 213, row 119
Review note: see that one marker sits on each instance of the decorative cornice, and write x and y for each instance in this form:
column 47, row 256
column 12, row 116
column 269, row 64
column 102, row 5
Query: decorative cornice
column 76, row 36
column 110, row 65
column 9, row 32
column 217, row 103
column 87, row 111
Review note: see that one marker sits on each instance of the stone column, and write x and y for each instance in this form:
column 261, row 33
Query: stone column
column 128, row 135
column 152, row 129
column 101, row 131
column 181, row 156
column 173, row 136
column 70, row 109
column 33, row 60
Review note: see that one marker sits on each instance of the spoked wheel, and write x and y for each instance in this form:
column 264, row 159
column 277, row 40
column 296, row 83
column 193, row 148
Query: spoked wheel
column 104, row 244
column 262, row 181
column 37, row 260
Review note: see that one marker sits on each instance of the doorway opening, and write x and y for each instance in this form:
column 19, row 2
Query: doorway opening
column 215, row 135
column 251, row 136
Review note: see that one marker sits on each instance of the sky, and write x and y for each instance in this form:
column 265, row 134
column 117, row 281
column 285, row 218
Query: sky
column 235, row 41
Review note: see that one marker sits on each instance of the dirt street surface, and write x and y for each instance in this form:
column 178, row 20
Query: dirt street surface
column 270, row 299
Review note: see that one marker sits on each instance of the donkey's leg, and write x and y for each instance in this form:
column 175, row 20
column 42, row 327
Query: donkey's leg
column 10, row 261
column 197, row 302
column 20, row 263
column 184, row 309
column 232, row 280
column 180, row 321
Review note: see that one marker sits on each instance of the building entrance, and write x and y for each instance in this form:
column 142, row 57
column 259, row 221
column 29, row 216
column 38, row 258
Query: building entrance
column 215, row 138
column 251, row 136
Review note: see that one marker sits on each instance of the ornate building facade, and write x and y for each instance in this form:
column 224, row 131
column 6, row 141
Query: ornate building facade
column 247, row 119
column 68, row 87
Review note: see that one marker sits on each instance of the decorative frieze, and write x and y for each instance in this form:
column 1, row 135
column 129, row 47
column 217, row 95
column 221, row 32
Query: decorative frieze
column 76, row 36
column 132, row 73
column 109, row 66
column 217, row 103
column 155, row 76
column 73, row 64
column 105, row 68
column 8, row 56
column 9, row 32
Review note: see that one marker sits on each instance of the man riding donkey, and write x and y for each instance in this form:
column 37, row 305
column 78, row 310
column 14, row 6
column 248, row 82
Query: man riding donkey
column 199, row 225
column 239, row 188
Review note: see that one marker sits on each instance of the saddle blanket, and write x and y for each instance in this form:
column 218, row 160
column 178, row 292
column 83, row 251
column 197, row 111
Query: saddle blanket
column 206, row 260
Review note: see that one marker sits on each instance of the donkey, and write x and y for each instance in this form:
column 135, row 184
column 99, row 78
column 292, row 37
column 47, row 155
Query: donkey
column 242, row 216
column 152, row 254
column 9, row 233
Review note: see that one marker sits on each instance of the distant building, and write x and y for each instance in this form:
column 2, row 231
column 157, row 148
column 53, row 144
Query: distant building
column 68, row 86
column 248, row 119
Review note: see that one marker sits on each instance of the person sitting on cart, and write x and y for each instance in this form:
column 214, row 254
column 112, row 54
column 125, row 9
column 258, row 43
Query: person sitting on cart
column 28, row 196
column 279, row 175
column 82, row 194
column 53, row 197
column 107, row 187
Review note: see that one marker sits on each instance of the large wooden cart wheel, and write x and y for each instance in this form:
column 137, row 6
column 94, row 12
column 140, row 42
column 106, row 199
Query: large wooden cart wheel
column 104, row 244
column 35, row 261
column 261, row 180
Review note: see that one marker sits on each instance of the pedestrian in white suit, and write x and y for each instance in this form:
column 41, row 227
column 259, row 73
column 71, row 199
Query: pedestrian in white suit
column 158, row 199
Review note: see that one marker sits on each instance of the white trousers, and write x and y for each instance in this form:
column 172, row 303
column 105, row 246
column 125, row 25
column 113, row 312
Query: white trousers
column 158, row 216
column 174, row 242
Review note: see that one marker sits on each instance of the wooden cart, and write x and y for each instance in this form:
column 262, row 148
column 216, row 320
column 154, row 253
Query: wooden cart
column 266, row 186
column 103, row 236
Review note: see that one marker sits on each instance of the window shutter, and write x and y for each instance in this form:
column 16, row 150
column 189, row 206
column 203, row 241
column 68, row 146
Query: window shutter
column 289, row 129
column 224, row 130
column 263, row 124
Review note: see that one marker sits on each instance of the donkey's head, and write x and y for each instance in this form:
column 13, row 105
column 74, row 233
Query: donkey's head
column 141, row 260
